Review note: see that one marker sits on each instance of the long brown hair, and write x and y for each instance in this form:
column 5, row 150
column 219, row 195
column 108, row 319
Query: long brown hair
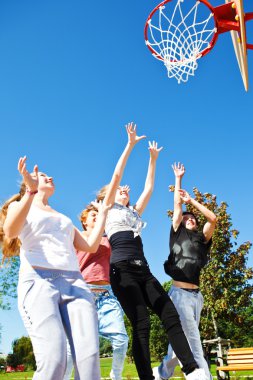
column 10, row 247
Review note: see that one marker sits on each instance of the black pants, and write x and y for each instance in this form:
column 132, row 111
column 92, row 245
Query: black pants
column 136, row 289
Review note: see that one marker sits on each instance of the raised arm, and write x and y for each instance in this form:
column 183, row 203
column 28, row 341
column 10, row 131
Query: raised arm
column 209, row 226
column 17, row 211
column 91, row 243
column 133, row 139
column 150, row 179
column 179, row 171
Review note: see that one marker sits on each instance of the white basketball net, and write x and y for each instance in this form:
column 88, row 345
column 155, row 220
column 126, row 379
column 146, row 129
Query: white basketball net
column 179, row 40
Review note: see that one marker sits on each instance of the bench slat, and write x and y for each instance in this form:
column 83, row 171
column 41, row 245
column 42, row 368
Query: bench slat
column 244, row 367
column 240, row 361
column 237, row 351
column 235, row 357
column 240, row 348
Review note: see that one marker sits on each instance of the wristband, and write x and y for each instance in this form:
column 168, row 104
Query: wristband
column 31, row 192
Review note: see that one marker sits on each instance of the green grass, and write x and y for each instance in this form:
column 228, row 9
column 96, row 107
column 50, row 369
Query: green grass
column 128, row 373
column 17, row 375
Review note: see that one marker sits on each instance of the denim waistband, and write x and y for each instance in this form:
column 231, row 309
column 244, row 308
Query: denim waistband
column 101, row 290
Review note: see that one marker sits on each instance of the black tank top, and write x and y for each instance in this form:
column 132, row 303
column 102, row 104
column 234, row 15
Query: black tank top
column 188, row 255
column 126, row 246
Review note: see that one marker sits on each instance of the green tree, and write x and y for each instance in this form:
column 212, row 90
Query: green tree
column 105, row 347
column 225, row 281
column 12, row 360
column 242, row 330
column 158, row 336
column 129, row 331
column 23, row 350
column 2, row 363
column 8, row 281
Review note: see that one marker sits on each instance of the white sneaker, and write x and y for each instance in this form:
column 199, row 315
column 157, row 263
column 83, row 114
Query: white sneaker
column 156, row 374
column 197, row 374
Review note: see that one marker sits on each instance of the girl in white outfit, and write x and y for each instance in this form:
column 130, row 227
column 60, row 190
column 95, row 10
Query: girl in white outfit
column 53, row 299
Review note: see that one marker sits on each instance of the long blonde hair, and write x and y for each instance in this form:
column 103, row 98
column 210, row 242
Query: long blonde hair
column 10, row 247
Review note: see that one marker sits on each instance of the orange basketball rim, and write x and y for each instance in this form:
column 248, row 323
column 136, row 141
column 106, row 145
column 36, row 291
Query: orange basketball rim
column 180, row 44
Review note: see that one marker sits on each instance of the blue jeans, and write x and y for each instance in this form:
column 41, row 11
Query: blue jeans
column 53, row 304
column 189, row 306
column 110, row 326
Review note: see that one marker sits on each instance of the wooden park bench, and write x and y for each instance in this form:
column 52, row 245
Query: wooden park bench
column 238, row 359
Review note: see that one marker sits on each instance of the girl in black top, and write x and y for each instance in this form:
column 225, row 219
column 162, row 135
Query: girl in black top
column 189, row 249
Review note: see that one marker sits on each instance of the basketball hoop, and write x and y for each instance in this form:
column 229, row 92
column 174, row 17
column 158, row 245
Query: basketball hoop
column 179, row 35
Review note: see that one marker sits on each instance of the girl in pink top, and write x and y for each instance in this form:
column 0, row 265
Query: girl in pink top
column 95, row 269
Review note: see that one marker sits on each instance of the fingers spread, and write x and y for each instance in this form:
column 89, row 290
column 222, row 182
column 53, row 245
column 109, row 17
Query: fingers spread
column 154, row 146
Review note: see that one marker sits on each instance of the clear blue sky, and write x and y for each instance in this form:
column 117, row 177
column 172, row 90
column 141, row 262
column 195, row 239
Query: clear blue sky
column 72, row 73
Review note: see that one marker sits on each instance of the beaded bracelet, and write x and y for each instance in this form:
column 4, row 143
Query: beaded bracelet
column 31, row 192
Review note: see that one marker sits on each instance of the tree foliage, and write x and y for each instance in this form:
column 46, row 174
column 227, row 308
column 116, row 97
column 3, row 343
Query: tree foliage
column 12, row 360
column 158, row 335
column 105, row 347
column 23, row 352
column 2, row 362
column 129, row 331
column 242, row 331
column 8, row 281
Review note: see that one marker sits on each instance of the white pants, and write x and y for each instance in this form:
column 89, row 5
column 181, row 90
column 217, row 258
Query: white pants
column 53, row 304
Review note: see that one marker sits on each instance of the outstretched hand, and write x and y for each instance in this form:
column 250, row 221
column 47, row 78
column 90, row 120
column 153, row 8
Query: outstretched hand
column 31, row 180
column 184, row 196
column 178, row 169
column 153, row 149
column 131, row 132
column 101, row 206
column 125, row 189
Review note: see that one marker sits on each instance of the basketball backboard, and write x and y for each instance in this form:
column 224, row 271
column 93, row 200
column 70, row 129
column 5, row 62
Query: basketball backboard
column 240, row 42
